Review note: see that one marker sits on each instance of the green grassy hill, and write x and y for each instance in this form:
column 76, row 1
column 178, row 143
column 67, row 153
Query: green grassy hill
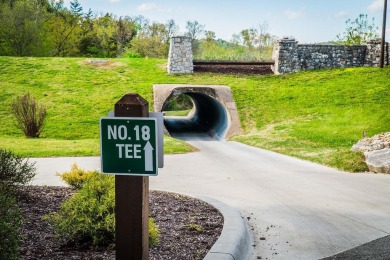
column 315, row 115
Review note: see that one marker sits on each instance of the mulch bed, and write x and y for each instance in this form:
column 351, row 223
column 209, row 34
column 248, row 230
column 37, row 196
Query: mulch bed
column 188, row 227
column 235, row 69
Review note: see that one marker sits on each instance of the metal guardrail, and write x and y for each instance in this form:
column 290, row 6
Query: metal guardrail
column 232, row 62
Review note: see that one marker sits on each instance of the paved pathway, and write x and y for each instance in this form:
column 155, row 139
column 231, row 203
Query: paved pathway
column 296, row 209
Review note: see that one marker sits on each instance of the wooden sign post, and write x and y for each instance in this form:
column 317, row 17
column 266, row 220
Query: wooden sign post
column 132, row 196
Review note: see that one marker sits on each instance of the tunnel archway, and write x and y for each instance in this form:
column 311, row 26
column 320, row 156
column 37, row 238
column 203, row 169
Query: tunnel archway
column 213, row 117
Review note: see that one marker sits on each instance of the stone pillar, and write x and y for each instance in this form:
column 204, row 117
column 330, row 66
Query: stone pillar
column 180, row 58
column 285, row 55
column 373, row 53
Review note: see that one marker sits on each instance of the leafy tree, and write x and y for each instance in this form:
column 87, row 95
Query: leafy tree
column 21, row 23
column 210, row 36
column 256, row 40
column 358, row 31
column 249, row 37
column 125, row 31
column 151, row 40
column 76, row 8
column 264, row 40
column 67, row 27
column 172, row 29
column 194, row 29
column 101, row 41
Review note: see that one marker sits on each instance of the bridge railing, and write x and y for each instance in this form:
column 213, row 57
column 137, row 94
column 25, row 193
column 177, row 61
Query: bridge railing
column 233, row 62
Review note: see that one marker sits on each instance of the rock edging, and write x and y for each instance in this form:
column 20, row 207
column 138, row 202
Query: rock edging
column 377, row 152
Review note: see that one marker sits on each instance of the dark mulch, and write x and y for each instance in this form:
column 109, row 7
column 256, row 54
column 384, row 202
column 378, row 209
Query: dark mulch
column 188, row 227
column 235, row 69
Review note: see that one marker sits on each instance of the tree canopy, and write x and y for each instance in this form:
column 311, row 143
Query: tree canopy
column 49, row 28
column 359, row 31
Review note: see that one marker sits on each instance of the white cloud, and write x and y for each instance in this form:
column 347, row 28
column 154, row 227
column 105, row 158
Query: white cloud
column 341, row 14
column 294, row 14
column 114, row 1
column 147, row 7
column 376, row 5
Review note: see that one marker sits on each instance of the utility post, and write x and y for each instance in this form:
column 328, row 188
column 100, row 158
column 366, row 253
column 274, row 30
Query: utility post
column 132, row 196
column 382, row 61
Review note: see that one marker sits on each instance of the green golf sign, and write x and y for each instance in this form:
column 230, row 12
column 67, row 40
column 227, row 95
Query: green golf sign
column 129, row 146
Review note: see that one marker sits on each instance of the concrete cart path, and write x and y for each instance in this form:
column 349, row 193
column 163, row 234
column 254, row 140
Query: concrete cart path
column 296, row 209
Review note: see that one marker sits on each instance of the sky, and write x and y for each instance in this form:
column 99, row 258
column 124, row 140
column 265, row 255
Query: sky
column 308, row 21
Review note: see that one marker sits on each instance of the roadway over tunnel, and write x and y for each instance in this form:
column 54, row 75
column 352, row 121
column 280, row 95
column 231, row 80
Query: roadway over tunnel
column 213, row 116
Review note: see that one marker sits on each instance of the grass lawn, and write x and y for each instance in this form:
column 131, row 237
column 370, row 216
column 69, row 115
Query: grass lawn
column 177, row 113
column 314, row 115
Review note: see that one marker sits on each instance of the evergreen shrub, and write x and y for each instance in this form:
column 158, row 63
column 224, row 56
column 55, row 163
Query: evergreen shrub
column 87, row 218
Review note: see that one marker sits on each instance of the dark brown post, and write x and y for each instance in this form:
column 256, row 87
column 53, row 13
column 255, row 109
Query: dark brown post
column 382, row 58
column 132, row 196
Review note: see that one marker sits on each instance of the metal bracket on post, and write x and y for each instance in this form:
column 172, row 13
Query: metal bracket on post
column 132, row 196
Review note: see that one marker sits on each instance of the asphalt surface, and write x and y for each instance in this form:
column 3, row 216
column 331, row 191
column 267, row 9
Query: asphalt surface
column 295, row 209
column 377, row 249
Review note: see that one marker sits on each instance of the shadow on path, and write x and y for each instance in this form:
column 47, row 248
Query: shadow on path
column 376, row 249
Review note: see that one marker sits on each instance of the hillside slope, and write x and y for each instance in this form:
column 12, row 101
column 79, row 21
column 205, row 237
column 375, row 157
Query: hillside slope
column 314, row 115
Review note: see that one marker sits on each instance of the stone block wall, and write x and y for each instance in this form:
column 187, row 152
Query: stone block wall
column 330, row 56
column 285, row 55
column 180, row 59
column 289, row 56
column 374, row 53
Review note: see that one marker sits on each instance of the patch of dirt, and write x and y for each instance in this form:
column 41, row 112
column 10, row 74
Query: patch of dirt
column 235, row 69
column 188, row 227
column 103, row 64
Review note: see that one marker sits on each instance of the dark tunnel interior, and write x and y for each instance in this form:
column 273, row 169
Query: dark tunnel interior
column 207, row 121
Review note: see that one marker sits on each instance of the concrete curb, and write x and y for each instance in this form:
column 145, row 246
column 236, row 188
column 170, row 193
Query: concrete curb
column 235, row 240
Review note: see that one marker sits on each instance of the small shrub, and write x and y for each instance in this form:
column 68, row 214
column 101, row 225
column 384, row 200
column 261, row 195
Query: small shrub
column 195, row 227
column 76, row 177
column 10, row 221
column 88, row 216
column 14, row 172
column 132, row 55
column 154, row 232
column 30, row 116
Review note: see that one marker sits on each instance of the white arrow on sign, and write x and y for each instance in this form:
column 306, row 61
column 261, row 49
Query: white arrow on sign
column 148, row 157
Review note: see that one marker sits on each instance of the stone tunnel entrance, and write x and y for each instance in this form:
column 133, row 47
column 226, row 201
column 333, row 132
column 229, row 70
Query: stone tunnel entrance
column 213, row 116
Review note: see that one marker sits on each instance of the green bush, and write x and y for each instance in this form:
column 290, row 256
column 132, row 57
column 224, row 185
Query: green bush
column 132, row 55
column 150, row 47
column 76, row 177
column 154, row 233
column 88, row 216
column 14, row 172
column 10, row 221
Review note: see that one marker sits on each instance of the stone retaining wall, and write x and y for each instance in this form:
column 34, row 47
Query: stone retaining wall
column 180, row 58
column 289, row 56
